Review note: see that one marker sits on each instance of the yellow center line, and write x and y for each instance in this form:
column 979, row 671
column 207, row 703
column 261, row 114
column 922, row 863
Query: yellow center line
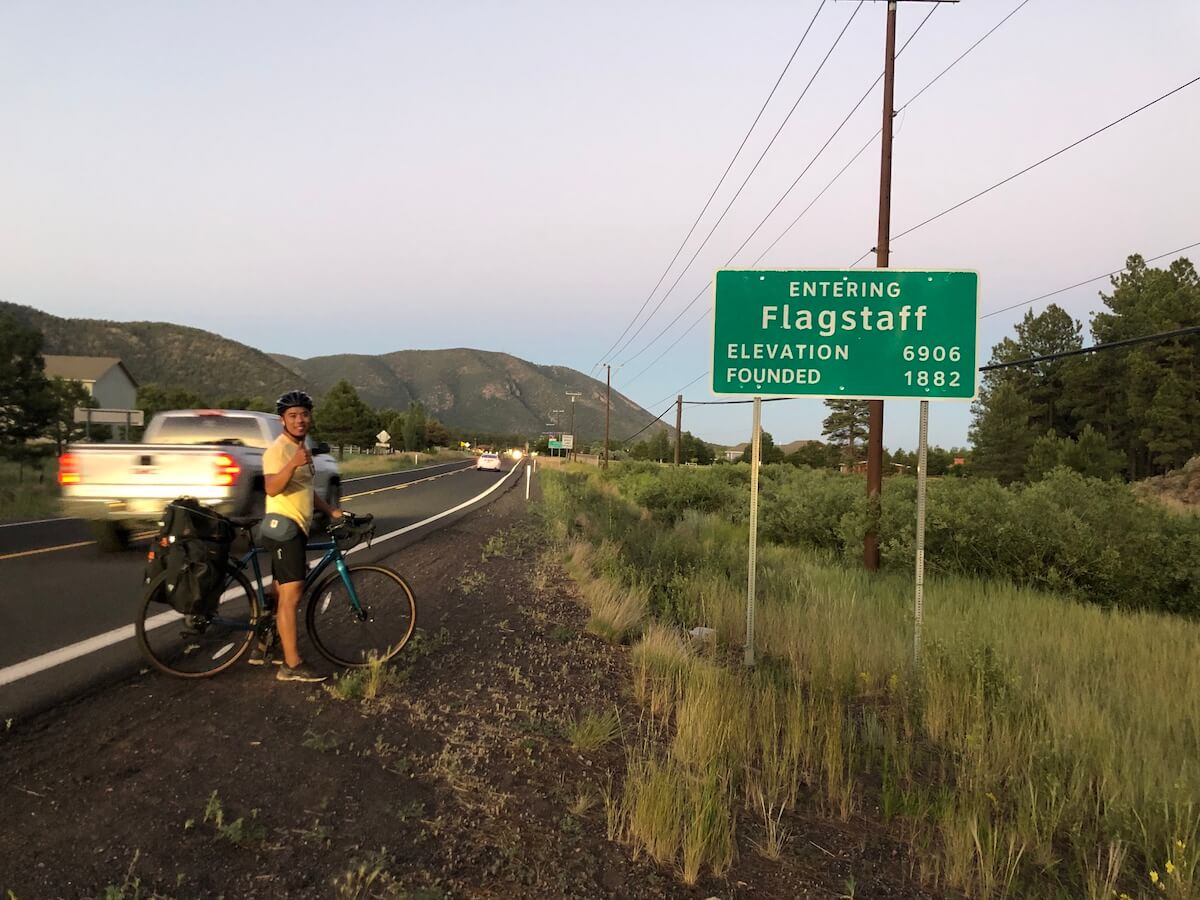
column 46, row 550
column 400, row 487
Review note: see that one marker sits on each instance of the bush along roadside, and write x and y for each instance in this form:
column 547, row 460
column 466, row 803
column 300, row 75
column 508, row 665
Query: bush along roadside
column 1086, row 538
column 1035, row 753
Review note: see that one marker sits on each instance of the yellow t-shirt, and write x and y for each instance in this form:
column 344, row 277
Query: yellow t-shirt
column 296, row 500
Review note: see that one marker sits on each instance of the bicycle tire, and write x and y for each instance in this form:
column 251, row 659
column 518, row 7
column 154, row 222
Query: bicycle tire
column 193, row 652
column 344, row 637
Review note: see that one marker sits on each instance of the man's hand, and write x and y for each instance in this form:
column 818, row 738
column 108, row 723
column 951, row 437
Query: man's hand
column 301, row 458
column 336, row 513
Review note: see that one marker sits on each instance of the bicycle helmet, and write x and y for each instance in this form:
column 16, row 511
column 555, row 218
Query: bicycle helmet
column 293, row 398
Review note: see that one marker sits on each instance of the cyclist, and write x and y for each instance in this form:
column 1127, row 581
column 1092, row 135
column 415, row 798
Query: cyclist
column 288, row 481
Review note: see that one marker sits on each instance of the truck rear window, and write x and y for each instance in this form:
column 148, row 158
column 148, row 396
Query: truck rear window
column 208, row 430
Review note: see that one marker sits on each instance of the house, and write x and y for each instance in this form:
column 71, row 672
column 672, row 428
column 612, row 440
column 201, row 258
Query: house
column 104, row 377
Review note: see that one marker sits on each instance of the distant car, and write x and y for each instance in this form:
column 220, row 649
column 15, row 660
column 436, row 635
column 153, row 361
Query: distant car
column 488, row 461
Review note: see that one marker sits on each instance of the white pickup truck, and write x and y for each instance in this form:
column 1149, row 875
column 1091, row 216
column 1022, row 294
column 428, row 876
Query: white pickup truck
column 214, row 455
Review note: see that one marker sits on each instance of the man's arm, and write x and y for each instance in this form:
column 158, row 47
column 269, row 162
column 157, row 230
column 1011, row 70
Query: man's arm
column 276, row 482
column 332, row 511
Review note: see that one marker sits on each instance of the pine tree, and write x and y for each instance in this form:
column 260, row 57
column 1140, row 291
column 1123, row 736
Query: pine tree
column 1001, row 436
column 340, row 416
column 767, row 451
column 846, row 426
column 27, row 405
column 414, row 427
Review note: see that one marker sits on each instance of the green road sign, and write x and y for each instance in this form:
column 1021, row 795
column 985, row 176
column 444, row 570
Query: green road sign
column 556, row 444
column 859, row 333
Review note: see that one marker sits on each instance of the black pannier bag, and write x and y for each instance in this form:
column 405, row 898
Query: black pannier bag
column 191, row 551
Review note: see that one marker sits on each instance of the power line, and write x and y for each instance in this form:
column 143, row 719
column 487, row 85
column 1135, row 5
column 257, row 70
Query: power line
column 829, row 140
column 738, row 402
column 720, row 182
column 878, row 131
column 790, row 188
column 670, row 347
column 1071, row 287
column 1112, row 345
column 961, row 56
column 742, row 187
column 682, row 389
column 1033, row 166
column 648, row 424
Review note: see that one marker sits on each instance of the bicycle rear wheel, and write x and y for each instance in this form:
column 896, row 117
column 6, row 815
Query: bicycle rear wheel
column 198, row 646
column 379, row 627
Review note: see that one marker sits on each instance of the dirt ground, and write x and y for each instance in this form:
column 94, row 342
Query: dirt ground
column 457, row 782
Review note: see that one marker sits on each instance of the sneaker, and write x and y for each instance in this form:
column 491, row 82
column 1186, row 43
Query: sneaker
column 302, row 672
column 260, row 654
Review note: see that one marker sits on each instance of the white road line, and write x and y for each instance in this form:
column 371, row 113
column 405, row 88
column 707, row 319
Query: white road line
column 400, row 487
column 441, row 515
column 344, row 481
column 401, row 471
column 63, row 655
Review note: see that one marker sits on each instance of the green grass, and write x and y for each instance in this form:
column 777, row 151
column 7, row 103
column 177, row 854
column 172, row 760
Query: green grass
column 1045, row 748
column 35, row 495
column 372, row 682
column 471, row 582
column 593, row 730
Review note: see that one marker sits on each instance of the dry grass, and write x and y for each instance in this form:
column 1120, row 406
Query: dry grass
column 1026, row 757
column 593, row 730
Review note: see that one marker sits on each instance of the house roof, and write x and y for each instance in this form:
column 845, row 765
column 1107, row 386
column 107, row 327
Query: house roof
column 84, row 368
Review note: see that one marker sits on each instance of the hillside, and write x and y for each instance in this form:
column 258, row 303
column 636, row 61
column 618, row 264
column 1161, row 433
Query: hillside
column 479, row 388
column 464, row 388
column 166, row 354
column 1178, row 489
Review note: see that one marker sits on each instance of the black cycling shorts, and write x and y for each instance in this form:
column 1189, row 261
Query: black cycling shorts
column 288, row 561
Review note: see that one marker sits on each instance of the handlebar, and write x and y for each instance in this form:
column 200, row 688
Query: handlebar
column 351, row 529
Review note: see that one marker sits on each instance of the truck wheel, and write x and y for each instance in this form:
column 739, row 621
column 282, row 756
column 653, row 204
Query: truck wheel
column 112, row 537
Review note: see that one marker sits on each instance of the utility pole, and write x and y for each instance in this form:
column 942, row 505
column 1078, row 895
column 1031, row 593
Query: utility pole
column 882, row 248
column 607, row 408
column 678, row 425
column 554, row 414
column 572, row 395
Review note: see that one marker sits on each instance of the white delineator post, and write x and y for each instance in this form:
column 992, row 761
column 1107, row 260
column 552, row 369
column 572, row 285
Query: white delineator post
column 755, row 453
column 919, row 599
column 528, row 478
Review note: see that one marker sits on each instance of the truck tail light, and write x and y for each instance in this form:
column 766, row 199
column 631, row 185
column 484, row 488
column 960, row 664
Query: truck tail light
column 68, row 469
column 227, row 470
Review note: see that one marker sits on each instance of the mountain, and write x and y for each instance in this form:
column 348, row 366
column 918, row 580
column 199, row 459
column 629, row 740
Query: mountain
column 480, row 389
column 464, row 388
column 165, row 354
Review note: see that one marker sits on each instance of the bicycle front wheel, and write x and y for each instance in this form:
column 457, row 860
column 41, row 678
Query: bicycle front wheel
column 370, row 613
column 198, row 646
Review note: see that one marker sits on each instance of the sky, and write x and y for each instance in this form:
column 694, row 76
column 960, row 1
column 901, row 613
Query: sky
column 317, row 178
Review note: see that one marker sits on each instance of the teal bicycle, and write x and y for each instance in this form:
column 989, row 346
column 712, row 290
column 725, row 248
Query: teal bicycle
column 353, row 613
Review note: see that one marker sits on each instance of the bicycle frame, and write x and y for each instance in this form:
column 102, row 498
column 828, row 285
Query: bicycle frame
column 332, row 555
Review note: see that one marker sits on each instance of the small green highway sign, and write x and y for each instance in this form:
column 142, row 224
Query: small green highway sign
column 857, row 333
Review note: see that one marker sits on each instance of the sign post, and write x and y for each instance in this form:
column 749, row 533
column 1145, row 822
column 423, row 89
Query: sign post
column 846, row 334
column 755, row 458
column 919, row 595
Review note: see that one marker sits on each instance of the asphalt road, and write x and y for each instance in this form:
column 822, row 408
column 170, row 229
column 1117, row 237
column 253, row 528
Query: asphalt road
column 65, row 605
